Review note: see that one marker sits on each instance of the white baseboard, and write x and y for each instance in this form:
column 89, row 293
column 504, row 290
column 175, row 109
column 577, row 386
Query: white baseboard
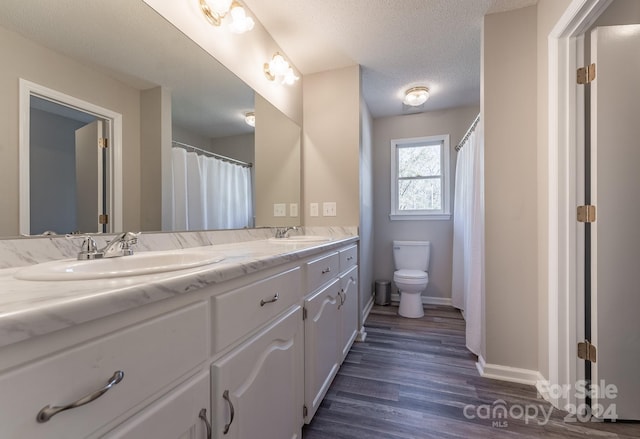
column 508, row 373
column 362, row 334
column 426, row 300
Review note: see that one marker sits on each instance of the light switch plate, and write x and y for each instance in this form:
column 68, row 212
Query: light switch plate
column 313, row 209
column 279, row 209
column 329, row 208
column 293, row 209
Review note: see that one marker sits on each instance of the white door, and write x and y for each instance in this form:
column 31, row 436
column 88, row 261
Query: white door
column 89, row 178
column 615, row 247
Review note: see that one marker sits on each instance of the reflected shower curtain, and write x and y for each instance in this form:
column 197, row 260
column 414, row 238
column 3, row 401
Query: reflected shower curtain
column 467, row 286
column 209, row 193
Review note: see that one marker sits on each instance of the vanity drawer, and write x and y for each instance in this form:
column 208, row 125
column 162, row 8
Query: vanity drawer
column 151, row 355
column 348, row 258
column 238, row 312
column 321, row 270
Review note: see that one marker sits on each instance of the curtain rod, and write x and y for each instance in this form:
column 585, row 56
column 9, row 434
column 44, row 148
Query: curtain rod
column 213, row 154
column 468, row 133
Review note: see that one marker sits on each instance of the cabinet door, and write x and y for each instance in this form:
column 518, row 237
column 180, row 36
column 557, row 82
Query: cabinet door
column 257, row 388
column 175, row 416
column 348, row 310
column 322, row 345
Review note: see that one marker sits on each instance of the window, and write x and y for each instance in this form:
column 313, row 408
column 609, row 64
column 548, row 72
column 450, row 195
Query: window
column 420, row 178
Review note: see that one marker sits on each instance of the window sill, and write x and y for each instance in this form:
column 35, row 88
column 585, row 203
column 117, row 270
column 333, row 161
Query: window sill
column 420, row 217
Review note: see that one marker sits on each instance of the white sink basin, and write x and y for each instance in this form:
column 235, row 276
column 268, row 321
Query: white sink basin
column 300, row 239
column 134, row 265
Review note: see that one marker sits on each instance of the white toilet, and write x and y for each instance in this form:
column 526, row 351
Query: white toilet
column 411, row 259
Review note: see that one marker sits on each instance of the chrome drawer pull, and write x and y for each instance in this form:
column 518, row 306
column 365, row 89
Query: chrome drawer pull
column 275, row 298
column 49, row 412
column 349, row 258
column 327, row 270
column 203, row 415
column 225, row 395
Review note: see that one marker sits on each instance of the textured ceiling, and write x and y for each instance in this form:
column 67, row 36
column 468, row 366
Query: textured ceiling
column 398, row 43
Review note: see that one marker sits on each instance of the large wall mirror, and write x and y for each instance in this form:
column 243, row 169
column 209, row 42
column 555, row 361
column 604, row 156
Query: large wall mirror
column 174, row 100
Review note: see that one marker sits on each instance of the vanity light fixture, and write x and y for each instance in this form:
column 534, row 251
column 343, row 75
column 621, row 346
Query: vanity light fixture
column 250, row 118
column 416, row 96
column 279, row 69
column 216, row 10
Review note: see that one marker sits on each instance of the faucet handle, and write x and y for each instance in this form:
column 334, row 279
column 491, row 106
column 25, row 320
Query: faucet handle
column 88, row 249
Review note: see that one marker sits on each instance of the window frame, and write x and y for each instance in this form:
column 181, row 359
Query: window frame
column 445, row 178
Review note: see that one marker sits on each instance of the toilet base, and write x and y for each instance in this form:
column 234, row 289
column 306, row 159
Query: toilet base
column 411, row 305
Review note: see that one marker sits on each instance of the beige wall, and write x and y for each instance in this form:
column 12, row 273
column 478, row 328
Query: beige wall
column 24, row 59
column 366, row 230
column 155, row 139
column 454, row 122
column 277, row 169
column 509, row 108
column 332, row 145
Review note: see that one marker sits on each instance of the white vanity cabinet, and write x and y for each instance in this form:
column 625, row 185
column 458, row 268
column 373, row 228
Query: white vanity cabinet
column 149, row 356
column 182, row 414
column 331, row 321
column 245, row 358
column 256, row 389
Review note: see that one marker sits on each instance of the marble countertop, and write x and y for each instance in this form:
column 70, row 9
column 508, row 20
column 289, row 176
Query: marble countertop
column 33, row 308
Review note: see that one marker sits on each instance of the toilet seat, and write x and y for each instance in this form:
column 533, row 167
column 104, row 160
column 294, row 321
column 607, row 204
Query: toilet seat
column 412, row 277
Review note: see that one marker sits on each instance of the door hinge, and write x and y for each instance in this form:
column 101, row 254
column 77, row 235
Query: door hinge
column 587, row 214
column 587, row 351
column 103, row 219
column 304, row 411
column 103, row 142
column 586, row 74
column 304, row 313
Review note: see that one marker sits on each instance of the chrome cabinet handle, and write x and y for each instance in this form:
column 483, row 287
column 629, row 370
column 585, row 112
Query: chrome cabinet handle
column 327, row 270
column 275, row 298
column 49, row 412
column 349, row 258
column 342, row 298
column 225, row 395
column 203, row 415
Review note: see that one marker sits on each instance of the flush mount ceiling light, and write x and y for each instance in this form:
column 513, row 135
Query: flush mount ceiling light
column 216, row 10
column 416, row 96
column 278, row 69
column 250, row 118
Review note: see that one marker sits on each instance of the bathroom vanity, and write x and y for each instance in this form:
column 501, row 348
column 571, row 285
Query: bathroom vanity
column 242, row 348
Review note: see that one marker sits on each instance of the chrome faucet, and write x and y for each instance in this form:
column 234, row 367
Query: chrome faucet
column 281, row 232
column 120, row 245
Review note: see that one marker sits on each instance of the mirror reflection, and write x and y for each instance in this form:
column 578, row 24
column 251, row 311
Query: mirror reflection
column 122, row 56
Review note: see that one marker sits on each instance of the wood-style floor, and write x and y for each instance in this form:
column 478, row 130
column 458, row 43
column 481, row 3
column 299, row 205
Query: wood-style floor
column 414, row 378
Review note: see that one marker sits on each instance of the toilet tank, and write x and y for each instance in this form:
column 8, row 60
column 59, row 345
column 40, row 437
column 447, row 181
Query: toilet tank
column 411, row 255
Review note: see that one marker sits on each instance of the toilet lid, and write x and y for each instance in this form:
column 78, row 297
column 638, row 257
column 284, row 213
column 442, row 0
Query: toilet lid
column 411, row 274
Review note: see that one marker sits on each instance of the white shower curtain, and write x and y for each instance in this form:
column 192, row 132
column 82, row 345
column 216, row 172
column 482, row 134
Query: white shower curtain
column 468, row 237
column 209, row 193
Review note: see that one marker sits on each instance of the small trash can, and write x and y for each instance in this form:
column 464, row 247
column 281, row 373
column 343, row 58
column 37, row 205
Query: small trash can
column 383, row 292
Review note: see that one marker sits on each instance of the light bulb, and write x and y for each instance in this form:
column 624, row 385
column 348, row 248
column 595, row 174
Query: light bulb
column 220, row 7
column 250, row 119
column 289, row 77
column 240, row 22
column 278, row 65
column 416, row 96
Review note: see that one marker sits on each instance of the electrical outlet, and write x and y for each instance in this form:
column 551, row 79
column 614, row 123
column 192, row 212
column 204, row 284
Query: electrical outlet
column 293, row 209
column 279, row 209
column 329, row 208
column 313, row 209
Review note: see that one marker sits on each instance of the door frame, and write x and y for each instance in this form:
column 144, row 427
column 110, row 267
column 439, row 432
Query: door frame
column 114, row 129
column 566, row 189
